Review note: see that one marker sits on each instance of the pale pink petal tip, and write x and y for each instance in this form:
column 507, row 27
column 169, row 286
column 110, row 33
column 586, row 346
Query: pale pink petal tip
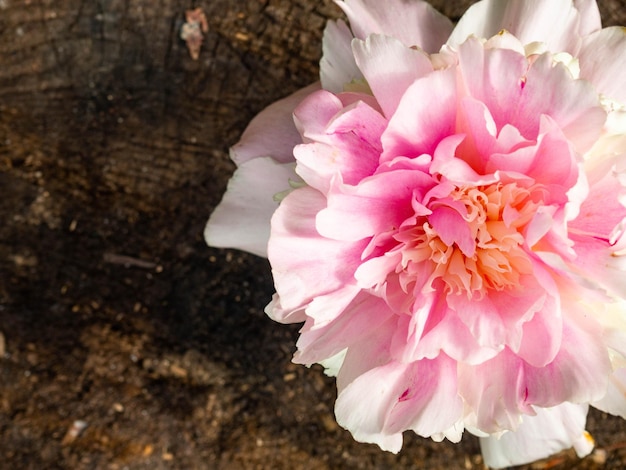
column 550, row 431
column 242, row 219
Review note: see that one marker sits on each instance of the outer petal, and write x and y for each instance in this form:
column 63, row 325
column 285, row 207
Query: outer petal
column 415, row 23
column 559, row 23
column 242, row 219
column 579, row 374
column 422, row 396
column 272, row 132
column 615, row 400
column 304, row 264
column 550, row 431
column 337, row 67
column 603, row 62
column 596, row 263
column 349, row 145
column 364, row 314
column 384, row 60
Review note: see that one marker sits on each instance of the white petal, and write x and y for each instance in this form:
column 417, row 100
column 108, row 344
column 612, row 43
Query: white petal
column 615, row 400
column 337, row 67
column 415, row 23
column 333, row 364
column 550, row 431
column 559, row 23
column 602, row 61
column 272, row 133
column 385, row 60
column 242, row 219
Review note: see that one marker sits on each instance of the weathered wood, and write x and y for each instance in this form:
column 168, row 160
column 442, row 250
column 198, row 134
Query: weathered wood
column 113, row 151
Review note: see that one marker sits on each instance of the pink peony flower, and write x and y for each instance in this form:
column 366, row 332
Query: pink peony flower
column 447, row 217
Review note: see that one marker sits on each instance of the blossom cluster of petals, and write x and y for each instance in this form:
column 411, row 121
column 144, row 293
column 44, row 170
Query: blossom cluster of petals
column 445, row 211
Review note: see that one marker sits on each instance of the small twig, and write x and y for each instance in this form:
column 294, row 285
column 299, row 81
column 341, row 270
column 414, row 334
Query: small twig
column 128, row 261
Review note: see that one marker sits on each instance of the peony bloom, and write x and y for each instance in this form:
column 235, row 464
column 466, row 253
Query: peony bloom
column 447, row 219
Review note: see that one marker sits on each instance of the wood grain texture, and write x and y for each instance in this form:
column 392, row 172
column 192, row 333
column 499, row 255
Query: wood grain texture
column 113, row 152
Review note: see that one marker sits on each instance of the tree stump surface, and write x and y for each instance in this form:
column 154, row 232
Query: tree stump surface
column 125, row 342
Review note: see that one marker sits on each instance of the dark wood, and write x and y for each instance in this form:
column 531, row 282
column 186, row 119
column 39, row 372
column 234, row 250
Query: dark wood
column 113, row 152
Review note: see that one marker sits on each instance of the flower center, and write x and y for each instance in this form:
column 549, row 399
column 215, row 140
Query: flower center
column 472, row 239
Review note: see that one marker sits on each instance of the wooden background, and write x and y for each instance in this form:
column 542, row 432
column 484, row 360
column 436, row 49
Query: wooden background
column 113, row 312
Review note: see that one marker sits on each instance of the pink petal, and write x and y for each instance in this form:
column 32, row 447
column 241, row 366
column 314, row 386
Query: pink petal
column 602, row 61
column 518, row 96
column 277, row 313
column 551, row 162
column 242, row 219
column 384, row 60
column 549, row 432
column 378, row 405
column 559, row 23
column 337, row 66
column 378, row 204
column 425, row 116
column 433, row 330
column 367, row 353
column 453, row 229
column 364, row 314
column 272, row 132
column 313, row 114
column 350, row 147
column 503, row 389
column 579, row 371
column 601, row 211
column 598, row 265
column 495, row 391
column 415, row 23
column 456, row 170
column 542, row 335
column 496, row 320
column 572, row 104
column 304, row 264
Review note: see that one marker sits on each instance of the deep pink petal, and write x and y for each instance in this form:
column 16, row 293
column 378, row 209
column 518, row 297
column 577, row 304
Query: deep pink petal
column 425, row 116
column 452, row 228
column 378, row 204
